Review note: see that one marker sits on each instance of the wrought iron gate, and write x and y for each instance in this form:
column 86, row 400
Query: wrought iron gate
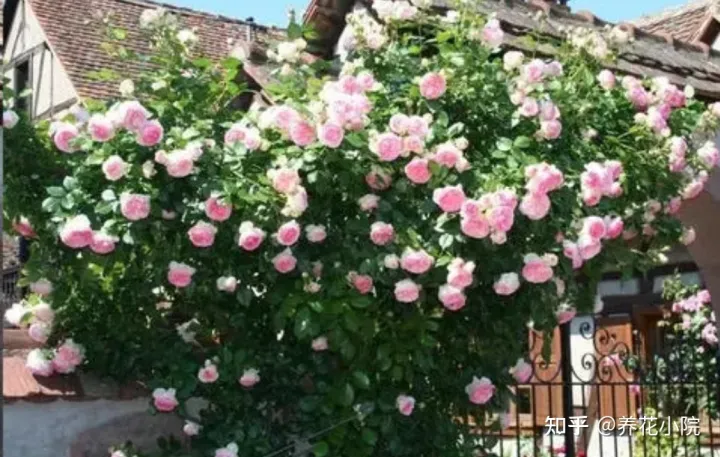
column 613, row 386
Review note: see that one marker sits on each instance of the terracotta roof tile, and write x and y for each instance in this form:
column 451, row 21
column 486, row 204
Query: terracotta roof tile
column 683, row 23
column 648, row 55
column 75, row 32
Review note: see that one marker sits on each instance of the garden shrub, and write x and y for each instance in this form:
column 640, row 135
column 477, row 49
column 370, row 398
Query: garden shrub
column 355, row 267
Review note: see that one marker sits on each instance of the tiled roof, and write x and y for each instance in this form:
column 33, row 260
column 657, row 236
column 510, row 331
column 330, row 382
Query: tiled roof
column 75, row 32
column 20, row 384
column 683, row 23
column 648, row 55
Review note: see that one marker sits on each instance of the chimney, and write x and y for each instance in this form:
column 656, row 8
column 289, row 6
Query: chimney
column 250, row 31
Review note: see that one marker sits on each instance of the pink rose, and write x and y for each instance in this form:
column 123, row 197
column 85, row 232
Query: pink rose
column 406, row 291
column 447, row 155
column 418, row 126
column 217, row 210
column 451, row 297
column 549, row 111
column 501, row 218
column 450, row 198
column 24, row 228
column 68, row 356
column 363, row 283
column 209, row 373
column 180, row 274
column 673, row 206
column 413, row 144
column 399, row 123
column 102, row 243
column 331, row 134
column 288, row 233
column 64, row 135
column 460, row 273
column 235, row 134
column 226, row 284
column 433, row 86
column 251, row 237
column 522, row 371
column 202, row 234
column 588, row 247
column 150, row 133
column 164, row 399
column 366, row 80
column 565, row 315
column 190, row 429
column 302, row 133
column 550, row 130
column 387, row 146
column 315, row 233
column 41, row 287
column 534, row 71
column 249, row 378
column 132, row 115
column 688, row 236
column 635, row 389
column 478, row 227
column 38, row 363
column 417, row 262
column 101, row 128
column 39, row 332
column 512, row 60
column 594, row 227
column 179, row 163
column 536, row 270
column 606, row 78
column 418, row 171
column 613, row 227
column 382, row 233
column 231, row 450
column 10, row 119
column 709, row 155
column 134, row 206
column 492, row 34
column 529, row 107
column 535, row 206
column 285, row 180
column 76, row 233
column 391, row 261
column 320, row 344
column 378, row 180
column 507, row 284
column 284, row 262
column 368, row 202
column 115, row 168
column 704, row 296
column 480, row 391
column 405, row 404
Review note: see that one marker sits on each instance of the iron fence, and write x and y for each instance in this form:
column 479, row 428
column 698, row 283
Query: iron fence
column 612, row 386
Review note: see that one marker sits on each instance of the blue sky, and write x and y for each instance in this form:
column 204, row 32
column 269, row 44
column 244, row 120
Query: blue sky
column 273, row 12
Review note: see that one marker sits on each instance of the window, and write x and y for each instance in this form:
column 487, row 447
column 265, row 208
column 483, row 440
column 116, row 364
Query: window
column 22, row 83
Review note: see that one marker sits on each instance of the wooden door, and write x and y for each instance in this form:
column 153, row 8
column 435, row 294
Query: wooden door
column 613, row 344
column 546, row 385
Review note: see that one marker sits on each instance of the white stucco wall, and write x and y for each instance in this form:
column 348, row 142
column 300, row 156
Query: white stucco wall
column 48, row 429
column 51, row 85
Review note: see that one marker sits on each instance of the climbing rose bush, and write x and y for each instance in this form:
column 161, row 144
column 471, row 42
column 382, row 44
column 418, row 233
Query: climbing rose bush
column 353, row 268
column 688, row 361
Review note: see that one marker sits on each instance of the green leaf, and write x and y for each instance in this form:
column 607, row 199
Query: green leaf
column 294, row 31
column 118, row 33
column 522, row 142
column 504, row 144
column 348, row 395
column 57, row 192
column 302, row 323
column 70, row 183
column 446, row 240
column 321, row 449
column 498, row 154
column 361, row 380
column 108, row 195
column 369, row 436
